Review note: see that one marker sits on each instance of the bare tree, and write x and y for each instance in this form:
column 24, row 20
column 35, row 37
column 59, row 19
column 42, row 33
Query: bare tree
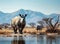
column 40, row 26
column 52, row 28
column 32, row 24
column 46, row 21
column 41, row 23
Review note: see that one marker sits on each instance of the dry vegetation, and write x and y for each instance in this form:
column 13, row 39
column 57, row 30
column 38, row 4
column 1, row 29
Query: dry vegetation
column 27, row 30
column 6, row 31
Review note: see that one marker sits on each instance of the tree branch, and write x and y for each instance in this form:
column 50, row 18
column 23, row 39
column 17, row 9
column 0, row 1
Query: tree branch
column 50, row 23
column 56, row 23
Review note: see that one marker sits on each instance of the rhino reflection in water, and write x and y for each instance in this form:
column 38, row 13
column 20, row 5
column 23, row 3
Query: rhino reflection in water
column 18, row 40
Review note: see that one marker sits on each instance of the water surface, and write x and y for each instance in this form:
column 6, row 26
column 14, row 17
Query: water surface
column 30, row 39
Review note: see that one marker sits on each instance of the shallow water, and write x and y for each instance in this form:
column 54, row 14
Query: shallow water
column 30, row 39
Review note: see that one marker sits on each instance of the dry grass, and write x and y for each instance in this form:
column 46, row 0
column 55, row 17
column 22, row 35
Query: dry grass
column 30, row 30
column 6, row 31
column 27, row 30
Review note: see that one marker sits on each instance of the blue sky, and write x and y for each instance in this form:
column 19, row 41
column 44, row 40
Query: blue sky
column 44, row 6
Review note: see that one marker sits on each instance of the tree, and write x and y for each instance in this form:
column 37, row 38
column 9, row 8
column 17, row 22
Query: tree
column 52, row 28
column 32, row 24
column 46, row 22
column 40, row 23
column 46, row 19
column 40, row 26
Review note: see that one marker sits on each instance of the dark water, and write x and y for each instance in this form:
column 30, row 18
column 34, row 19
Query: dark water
column 30, row 39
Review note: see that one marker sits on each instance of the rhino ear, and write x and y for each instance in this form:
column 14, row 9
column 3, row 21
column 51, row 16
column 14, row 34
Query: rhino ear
column 25, row 15
column 19, row 14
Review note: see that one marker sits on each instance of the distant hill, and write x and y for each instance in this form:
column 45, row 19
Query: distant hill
column 32, row 16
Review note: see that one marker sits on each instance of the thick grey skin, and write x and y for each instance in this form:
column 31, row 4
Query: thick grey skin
column 20, row 26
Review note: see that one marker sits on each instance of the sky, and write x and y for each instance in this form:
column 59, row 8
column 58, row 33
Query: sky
column 45, row 6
